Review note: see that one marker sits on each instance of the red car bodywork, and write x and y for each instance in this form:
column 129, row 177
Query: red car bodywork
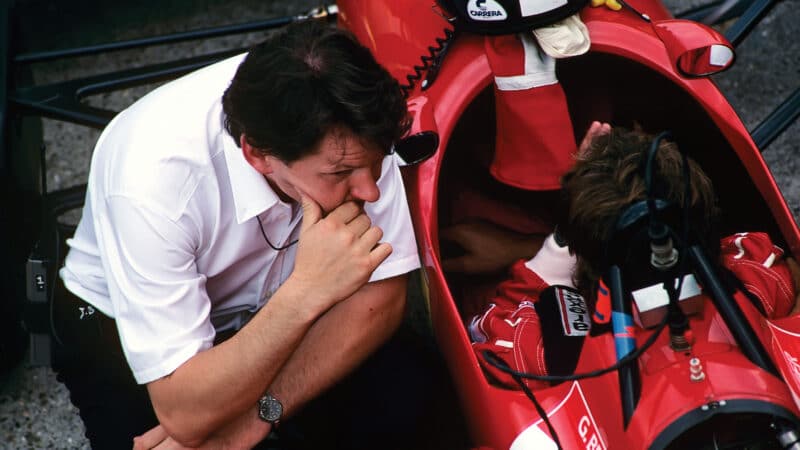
column 628, row 75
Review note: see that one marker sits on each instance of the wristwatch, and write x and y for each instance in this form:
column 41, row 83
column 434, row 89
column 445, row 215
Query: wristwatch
column 270, row 409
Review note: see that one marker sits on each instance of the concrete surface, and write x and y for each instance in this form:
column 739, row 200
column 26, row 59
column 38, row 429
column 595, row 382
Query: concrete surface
column 35, row 412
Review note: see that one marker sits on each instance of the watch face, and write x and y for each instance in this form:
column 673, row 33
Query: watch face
column 269, row 409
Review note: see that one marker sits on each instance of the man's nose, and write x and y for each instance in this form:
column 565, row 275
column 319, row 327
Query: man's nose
column 364, row 187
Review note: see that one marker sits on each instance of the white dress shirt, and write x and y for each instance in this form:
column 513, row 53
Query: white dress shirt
column 168, row 244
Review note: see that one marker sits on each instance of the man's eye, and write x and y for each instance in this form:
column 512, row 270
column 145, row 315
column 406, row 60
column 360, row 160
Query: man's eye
column 341, row 173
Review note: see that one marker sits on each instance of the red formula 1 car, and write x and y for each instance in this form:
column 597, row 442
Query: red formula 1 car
column 735, row 384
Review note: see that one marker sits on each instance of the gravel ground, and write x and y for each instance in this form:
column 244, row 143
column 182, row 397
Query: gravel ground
column 35, row 411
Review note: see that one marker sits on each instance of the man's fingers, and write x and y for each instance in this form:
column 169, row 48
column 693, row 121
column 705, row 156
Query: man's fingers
column 171, row 444
column 369, row 239
column 379, row 254
column 360, row 224
column 587, row 138
column 345, row 212
column 596, row 129
column 150, row 439
column 312, row 213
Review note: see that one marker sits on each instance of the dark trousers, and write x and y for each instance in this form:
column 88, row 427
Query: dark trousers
column 88, row 359
column 385, row 404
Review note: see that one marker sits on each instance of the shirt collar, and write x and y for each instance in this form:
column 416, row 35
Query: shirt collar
column 252, row 194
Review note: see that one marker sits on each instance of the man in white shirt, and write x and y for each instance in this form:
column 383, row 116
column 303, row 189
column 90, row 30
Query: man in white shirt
column 275, row 213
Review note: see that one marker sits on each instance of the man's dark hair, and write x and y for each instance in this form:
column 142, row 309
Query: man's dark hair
column 608, row 178
column 305, row 80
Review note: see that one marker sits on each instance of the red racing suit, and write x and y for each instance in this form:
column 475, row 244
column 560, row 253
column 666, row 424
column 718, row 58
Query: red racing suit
column 510, row 327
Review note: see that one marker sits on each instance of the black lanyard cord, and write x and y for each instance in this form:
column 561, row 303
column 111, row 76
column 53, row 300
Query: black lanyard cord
column 263, row 233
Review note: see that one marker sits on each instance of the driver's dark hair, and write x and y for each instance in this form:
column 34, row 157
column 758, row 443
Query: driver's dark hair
column 607, row 178
column 305, row 80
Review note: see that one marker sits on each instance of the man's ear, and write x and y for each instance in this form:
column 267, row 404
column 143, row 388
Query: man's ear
column 255, row 157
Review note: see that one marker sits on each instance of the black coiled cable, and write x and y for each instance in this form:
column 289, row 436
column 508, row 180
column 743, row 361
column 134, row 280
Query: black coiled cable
column 430, row 63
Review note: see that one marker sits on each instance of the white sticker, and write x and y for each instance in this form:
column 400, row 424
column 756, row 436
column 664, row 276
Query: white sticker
column 574, row 313
column 486, row 10
column 533, row 438
column 654, row 296
column 533, row 7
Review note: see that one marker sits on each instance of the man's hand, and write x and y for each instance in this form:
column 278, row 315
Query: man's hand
column 488, row 247
column 243, row 433
column 151, row 438
column 336, row 254
column 596, row 129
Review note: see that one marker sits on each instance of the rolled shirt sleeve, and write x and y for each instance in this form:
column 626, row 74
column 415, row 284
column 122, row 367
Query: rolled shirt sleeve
column 391, row 214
